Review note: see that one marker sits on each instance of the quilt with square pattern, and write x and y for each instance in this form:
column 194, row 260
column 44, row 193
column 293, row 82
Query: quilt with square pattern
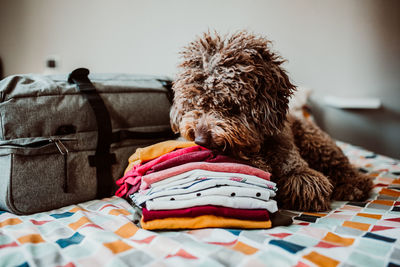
column 105, row 233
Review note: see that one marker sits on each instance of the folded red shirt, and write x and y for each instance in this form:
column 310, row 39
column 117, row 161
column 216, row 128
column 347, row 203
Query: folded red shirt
column 243, row 214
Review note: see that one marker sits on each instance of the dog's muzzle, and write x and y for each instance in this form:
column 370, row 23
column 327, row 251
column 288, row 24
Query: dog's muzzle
column 202, row 136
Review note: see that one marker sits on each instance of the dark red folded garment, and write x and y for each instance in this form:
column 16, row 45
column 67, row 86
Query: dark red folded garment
column 195, row 156
column 243, row 214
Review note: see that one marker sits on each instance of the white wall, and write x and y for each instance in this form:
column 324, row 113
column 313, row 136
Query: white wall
column 341, row 47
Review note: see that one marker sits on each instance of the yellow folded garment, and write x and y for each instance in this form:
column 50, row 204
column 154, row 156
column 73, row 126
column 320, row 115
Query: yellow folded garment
column 203, row 221
column 155, row 151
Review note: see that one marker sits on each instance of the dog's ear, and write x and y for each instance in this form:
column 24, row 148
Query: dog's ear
column 174, row 119
column 191, row 75
column 174, row 114
column 273, row 87
column 274, row 92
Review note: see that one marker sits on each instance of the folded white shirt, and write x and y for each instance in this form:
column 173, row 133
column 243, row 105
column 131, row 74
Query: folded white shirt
column 198, row 174
column 230, row 202
column 228, row 191
column 206, row 188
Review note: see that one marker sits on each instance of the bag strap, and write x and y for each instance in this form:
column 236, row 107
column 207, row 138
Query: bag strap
column 102, row 159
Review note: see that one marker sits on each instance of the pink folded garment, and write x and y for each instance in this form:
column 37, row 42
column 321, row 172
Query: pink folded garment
column 227, row 167
column 195, row 156
column 133, row 176
column 243, row 214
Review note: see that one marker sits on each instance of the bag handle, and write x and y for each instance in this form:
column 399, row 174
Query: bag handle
column 102, row 159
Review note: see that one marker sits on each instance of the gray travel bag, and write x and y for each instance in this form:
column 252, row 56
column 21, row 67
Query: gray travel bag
column 66, row 140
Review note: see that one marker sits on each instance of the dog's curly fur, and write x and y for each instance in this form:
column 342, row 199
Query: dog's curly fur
column 232, row 94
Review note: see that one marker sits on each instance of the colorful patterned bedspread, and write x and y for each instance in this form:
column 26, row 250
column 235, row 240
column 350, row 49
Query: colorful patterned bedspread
column 102, row 233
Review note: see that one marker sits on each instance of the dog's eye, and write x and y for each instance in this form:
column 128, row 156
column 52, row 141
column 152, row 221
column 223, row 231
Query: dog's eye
column 234, row 109
column 190, row 134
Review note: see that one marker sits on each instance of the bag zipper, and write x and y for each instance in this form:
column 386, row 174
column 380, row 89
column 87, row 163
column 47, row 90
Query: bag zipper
column 64, row 151
column 60, row 145
column 40, row 143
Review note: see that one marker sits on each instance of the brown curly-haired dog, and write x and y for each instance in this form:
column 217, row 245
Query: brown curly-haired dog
column 232, row 95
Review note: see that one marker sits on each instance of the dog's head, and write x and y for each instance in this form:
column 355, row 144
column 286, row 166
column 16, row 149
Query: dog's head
column 231, row 93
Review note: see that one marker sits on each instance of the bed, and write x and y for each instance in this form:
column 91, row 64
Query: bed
column 104, row 233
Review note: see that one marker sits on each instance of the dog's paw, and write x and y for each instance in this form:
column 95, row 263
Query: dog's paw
column 306, row 191
column 355, row 188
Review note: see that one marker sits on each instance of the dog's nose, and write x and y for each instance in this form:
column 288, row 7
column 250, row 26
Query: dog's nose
column 201, row 141
column 202, row 138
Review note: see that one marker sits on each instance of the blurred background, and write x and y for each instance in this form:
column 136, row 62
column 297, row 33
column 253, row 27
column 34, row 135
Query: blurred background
column 345, row 48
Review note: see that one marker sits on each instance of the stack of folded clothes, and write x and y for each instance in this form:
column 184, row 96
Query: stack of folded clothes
column 180, row 185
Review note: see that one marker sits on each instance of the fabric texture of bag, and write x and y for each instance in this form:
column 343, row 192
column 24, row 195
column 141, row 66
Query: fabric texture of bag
column 52, row 151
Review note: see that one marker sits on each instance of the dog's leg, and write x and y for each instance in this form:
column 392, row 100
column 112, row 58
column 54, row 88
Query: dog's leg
column 299, row 186
column 322, row 154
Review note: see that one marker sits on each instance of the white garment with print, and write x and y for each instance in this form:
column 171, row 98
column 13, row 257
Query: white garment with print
column 230, row 202
column 228, row 191
column 205, row 187
column 198, row 174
